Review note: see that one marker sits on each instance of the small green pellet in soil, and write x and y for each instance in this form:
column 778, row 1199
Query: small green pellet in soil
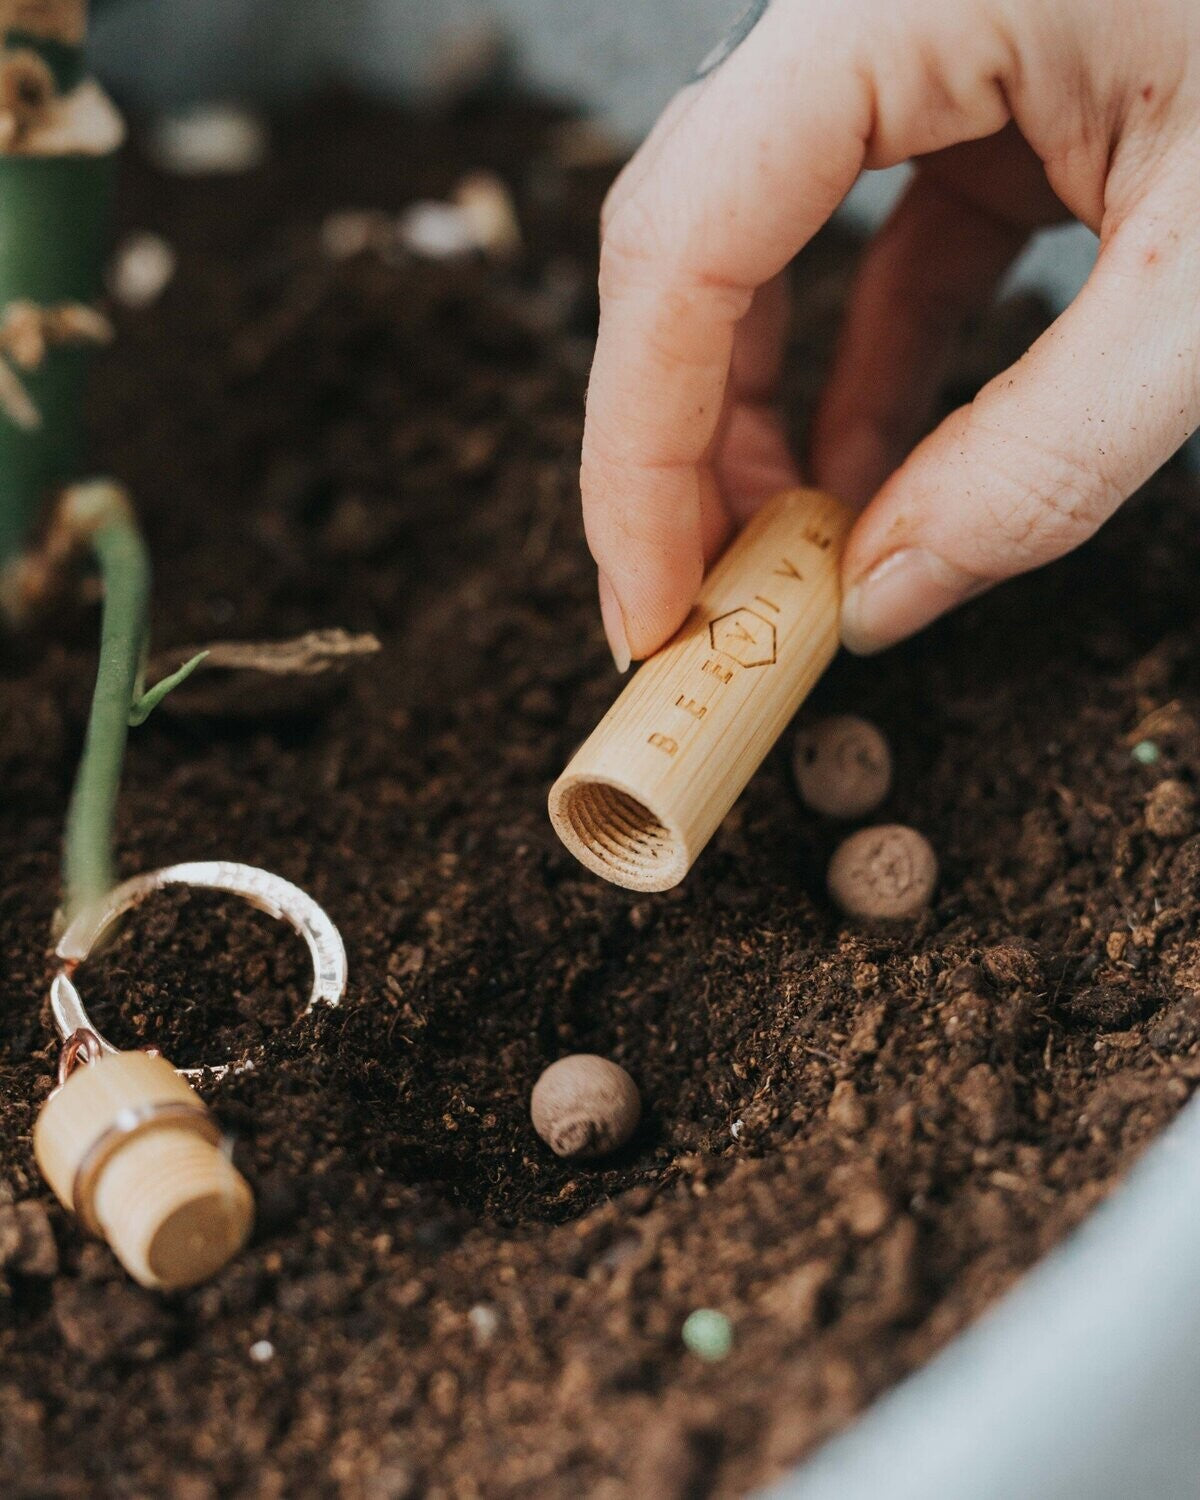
column 708, row 1334
column 1146, row 752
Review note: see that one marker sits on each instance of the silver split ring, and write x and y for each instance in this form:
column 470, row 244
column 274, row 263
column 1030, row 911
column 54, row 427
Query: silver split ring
column 269, row 893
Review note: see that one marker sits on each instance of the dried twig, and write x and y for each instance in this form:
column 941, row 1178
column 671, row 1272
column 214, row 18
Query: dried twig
column 27, row 331
column 306, row 655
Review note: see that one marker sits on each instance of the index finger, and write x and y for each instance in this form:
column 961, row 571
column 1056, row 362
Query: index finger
column 758, row 164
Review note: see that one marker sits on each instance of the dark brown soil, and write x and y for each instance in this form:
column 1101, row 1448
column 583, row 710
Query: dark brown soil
column 854, row 1140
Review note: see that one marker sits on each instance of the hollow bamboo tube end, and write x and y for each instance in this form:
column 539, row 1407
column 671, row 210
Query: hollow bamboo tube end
column 608, row 829
column 647, row 790
column 129, row 1146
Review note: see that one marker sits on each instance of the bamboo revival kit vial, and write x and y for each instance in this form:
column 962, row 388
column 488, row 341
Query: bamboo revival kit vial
column 647, row 790
column 124, row 1140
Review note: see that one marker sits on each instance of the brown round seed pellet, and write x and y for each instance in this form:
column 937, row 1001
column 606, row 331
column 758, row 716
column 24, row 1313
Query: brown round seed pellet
column 842, row 765
column 584, row 1105
column 884, row 872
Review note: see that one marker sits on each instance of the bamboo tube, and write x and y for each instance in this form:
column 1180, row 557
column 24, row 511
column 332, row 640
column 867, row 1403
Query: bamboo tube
column 645, row 793
column 129, row 1146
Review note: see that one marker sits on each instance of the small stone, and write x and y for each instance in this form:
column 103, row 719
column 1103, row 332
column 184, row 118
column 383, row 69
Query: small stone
column 842, row 765
column 262, row 1352
column 209, row 140
column 584, row 1105
column 484, row 1321
column 886, row 873
column 1146, row 752
column 708, row 1334
column 1171, row 810
column 141, row 269
column 491, row 216
column 436, row 231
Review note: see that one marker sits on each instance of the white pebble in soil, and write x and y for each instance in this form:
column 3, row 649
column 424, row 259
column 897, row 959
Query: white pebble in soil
column 141, row 269
column 262, row 1352
column 209, row 140
column 436, row 231
column 484, row 1321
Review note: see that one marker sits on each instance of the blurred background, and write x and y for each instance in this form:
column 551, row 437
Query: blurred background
column 619, row 61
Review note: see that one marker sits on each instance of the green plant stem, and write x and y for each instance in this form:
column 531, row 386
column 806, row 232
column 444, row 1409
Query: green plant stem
column 99, row 515
column 102, row 512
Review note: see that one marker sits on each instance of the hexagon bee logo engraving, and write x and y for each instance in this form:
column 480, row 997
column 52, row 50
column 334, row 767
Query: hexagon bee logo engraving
column 744, row 635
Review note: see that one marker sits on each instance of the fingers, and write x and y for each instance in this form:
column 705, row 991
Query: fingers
column 1050, row 448
column 756, row 165
column 937, row 260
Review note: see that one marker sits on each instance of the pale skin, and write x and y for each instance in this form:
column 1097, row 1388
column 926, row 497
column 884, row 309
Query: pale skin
column 1018, row 113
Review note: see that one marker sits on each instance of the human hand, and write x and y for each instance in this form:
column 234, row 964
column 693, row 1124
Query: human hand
column 1018, row 112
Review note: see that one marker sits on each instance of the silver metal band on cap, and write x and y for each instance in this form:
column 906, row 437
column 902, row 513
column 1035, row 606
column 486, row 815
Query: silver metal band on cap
column 279, row 898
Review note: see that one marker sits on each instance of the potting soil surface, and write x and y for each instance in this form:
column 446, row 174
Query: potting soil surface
column 854, row 1138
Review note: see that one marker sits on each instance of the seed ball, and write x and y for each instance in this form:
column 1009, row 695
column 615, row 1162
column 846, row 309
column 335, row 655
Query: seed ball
column 843, row 766
column 886, row 872
column 584, row 1105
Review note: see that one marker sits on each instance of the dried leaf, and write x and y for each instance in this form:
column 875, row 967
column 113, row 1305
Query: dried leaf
column 268, row 679
column 304, row 656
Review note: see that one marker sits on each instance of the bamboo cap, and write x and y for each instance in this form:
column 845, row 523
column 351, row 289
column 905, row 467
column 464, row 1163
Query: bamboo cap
column 128, row 1145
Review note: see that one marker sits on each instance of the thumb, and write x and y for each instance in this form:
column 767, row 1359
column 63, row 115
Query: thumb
column 1047, row 451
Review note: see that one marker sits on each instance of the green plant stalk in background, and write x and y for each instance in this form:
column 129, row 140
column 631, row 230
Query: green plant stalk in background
column 55, row 214
column 54, row 232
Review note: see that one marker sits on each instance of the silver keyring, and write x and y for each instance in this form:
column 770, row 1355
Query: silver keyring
column 269, row 893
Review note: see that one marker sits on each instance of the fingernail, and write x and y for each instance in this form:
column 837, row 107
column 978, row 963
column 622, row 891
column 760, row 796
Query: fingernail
column 614, row 625
column 901, row 594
